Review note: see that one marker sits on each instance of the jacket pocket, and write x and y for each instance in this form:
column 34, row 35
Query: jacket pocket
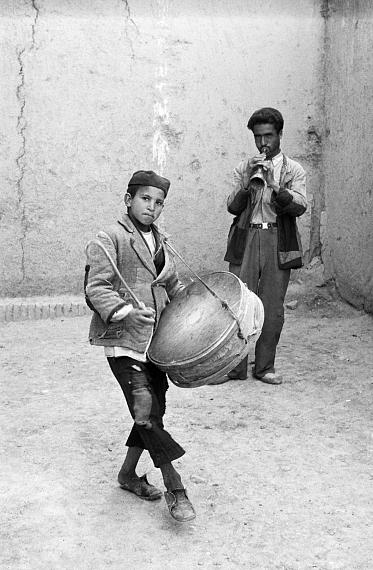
column 114, row 330
column 236, row 243
column 125, row 295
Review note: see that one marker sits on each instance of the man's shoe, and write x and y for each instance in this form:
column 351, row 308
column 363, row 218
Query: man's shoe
column 181, row 509
column 140, row 486
column 233, row 375
column 221, row 380
column 270, row 378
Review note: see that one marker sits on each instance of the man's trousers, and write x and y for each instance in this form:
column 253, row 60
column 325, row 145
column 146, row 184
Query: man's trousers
column 260, row 271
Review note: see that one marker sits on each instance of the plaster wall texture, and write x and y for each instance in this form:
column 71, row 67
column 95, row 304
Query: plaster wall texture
column 92, row 91
column 348, row 151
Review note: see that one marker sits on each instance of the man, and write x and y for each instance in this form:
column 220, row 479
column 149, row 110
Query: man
column 263, row 243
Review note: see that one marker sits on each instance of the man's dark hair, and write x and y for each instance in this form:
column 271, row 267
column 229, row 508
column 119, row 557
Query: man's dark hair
column 266, row 115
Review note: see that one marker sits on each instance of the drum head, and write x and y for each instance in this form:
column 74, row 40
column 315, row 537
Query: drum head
column 195, row 319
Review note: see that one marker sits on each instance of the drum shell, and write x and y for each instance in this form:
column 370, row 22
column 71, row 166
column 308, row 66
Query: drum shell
column 226, row 351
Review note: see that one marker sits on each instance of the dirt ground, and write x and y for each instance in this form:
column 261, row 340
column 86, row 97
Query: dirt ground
column 280, row 476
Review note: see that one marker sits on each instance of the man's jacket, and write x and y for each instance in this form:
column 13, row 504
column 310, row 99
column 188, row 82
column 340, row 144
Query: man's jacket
column 152, row 285
column 289, row 203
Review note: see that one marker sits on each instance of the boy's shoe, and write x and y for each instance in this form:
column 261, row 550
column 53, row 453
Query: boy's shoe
column 269, row 378
column 140, row 486
column 181, row 509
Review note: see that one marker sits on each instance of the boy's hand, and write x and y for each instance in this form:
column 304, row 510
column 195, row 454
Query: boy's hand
column 141, row 316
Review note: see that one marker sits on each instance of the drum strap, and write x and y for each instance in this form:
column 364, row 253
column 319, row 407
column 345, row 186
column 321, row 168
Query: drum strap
column 224, row 304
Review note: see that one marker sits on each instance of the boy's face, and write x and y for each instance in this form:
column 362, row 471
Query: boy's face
column 146, row 206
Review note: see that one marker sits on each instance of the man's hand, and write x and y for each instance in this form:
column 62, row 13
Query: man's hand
column 269, row 175
column 252, row 163
column 141, row 316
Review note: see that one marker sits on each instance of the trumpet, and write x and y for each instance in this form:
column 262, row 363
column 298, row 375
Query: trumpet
column 258, row 175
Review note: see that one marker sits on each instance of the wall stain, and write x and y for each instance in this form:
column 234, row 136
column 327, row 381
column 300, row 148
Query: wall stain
column 195, row 165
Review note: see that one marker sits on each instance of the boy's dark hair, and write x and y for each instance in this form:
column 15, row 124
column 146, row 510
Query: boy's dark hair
column 266, row 115
column 133, row 188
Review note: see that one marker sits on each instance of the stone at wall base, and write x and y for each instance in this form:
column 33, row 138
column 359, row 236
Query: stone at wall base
column 38, row 308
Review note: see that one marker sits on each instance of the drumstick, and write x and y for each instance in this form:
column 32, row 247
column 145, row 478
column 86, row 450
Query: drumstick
column 116, row 270
column 223, row 303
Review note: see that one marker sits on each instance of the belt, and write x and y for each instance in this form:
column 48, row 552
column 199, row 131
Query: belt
column 263, row 226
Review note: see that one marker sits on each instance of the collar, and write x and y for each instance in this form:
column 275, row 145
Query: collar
column 128, row 225
column 277, row 159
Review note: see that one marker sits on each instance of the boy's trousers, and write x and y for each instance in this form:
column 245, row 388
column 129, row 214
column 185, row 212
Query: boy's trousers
column 162, row 448
column 261, row 273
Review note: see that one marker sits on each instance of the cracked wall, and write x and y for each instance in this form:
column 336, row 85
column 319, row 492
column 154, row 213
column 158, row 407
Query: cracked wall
column 20, row 158
column 92, row 93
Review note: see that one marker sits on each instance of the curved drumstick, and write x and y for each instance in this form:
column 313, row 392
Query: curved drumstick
column 223, row 303
column 97, row 242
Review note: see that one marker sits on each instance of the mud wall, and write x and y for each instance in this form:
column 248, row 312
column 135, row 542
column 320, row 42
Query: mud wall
column 92, row 91
column 348, row 149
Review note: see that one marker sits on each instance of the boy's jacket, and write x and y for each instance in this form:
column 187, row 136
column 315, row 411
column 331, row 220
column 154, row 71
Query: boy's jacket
column 107, row 294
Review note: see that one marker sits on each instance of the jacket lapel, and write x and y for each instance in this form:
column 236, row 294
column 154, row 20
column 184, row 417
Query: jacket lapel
column 139, row 246
column 286, row 174
column 143, row 253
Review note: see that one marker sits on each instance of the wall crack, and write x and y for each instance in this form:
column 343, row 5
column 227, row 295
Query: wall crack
column 20, row 158
column 130, row 20
column 36, row 9
column 21, row 130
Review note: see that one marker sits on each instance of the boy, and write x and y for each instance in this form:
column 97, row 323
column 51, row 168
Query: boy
column 126, row 331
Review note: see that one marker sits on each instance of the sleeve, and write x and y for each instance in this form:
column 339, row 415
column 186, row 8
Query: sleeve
column 293, row 200
column 101, row 278
column 237, row 199
column 174, row 285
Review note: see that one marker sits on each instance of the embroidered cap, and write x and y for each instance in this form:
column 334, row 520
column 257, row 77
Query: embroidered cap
column 149, row 178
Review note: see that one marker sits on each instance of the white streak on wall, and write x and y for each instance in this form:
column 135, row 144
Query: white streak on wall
column 161, row 120
column 161, row 117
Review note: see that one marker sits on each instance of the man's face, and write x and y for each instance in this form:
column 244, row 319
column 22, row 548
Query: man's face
column 147, row 204
column 267, row 139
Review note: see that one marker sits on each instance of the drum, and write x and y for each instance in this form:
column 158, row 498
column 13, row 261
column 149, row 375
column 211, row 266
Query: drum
column 202, row 335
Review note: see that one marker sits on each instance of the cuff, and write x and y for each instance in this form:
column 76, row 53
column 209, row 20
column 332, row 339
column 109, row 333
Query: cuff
column 284, row 197
column 122, row 313
column 113, row 311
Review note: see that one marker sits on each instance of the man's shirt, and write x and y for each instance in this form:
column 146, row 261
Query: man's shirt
column 263, row 211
